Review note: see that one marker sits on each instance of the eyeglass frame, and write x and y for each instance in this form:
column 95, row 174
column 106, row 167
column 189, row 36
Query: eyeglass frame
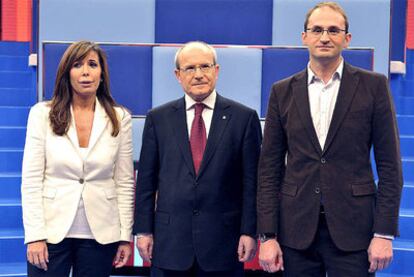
column 192, row 69
column 322, row 31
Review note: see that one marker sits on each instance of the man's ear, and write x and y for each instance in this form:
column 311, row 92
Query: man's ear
column 303, row 35
column 177, row 73
column 348, row 38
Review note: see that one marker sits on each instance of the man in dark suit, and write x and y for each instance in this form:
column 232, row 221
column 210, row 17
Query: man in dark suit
column 196, row 188
column 317, row 198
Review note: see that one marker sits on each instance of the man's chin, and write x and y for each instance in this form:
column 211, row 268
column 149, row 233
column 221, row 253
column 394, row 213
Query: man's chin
column 325, row 56
column 199, row 95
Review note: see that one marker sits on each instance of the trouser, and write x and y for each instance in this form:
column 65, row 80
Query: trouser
column 86, row 257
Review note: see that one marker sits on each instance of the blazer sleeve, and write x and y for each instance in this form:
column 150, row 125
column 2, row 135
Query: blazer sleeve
column 271, row 168
column 124, row 178
column 388, row 161
column 148, row 166
column 33, row 170
column 251, row 150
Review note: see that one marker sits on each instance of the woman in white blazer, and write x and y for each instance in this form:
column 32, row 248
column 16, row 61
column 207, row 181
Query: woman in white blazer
column 77, row 177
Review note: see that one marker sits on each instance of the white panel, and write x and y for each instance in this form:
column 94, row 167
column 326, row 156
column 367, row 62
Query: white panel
column 240, row 75
column 369, row 23
column 137, row 130
column 165, row 86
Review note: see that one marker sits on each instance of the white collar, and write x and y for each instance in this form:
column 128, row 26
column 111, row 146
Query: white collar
column 209, row 101
column 337, row 74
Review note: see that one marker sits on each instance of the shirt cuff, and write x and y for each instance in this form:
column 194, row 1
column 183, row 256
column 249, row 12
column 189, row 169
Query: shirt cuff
column 382, row 236
column 141, row 235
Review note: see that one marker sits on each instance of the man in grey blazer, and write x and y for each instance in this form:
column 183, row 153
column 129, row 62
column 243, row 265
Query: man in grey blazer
column 317, row 200
column 199, row 157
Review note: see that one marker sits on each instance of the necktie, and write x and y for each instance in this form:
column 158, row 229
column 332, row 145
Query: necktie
column 198, row 137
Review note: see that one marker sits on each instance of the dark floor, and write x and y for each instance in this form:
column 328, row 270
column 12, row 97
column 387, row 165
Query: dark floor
column 144, row 271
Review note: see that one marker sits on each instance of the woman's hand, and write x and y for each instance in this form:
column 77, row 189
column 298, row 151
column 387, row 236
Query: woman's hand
column 123, row 254
column 37, row 254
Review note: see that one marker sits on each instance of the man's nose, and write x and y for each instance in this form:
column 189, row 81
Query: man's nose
column 325, row 36
column 198, row 73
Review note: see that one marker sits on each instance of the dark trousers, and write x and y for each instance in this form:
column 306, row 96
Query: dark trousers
column 324, row 257
column 196, row 270
column 86, row 257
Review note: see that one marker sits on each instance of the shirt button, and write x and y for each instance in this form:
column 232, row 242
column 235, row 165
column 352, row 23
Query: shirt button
column 323, row 160
column 196, row 212
column 81, row 180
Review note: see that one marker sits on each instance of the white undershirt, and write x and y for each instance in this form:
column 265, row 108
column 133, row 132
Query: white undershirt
column 80, row 226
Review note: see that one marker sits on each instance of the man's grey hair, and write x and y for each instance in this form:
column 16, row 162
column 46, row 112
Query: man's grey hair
column 198, row 44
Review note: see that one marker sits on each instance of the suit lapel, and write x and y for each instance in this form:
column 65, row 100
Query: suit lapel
column 71, row 134
column 179, row 129
column 300, row 93
column 346, row 93
column 100, row 120
column 221, row 116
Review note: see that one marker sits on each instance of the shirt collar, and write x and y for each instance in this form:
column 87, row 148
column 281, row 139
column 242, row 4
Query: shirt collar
column 337, row 74
column 209, row 101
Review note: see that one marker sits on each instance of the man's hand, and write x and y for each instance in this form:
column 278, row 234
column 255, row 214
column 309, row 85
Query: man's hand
column 247, row 248
column 144, row 245
column 270, row 256
column 37, row 254
column 123, row 254
column 379, row 254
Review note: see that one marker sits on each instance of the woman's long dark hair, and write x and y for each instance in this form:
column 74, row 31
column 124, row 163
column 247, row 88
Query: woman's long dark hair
column 60, row 115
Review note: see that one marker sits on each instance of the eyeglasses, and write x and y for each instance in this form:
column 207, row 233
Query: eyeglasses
column 192, row 69
column 318, row 31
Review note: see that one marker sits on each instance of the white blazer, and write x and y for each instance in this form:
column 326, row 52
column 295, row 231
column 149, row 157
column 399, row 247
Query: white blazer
column 55, row 177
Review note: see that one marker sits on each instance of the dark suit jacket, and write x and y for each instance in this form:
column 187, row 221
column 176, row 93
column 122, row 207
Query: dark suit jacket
column 198, row 216
column 340, row 175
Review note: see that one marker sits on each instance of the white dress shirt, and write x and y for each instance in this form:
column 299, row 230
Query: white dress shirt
column 322, row 100
column 207, row 114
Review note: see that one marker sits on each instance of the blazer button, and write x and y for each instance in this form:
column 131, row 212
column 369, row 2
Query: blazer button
column 196, row 212
column 81, row 181
column 317, row 190
column 195, row 183
column 323, row 160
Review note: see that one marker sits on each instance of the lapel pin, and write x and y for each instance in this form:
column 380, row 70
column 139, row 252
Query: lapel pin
column 224, row 117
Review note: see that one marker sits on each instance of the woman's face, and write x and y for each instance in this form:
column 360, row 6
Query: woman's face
column 85, row 75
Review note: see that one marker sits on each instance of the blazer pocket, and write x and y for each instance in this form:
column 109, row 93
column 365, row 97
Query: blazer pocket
column 289, row 190
column 363, row 189
column 162, row 217
column 49, row 192
column 110, row 193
